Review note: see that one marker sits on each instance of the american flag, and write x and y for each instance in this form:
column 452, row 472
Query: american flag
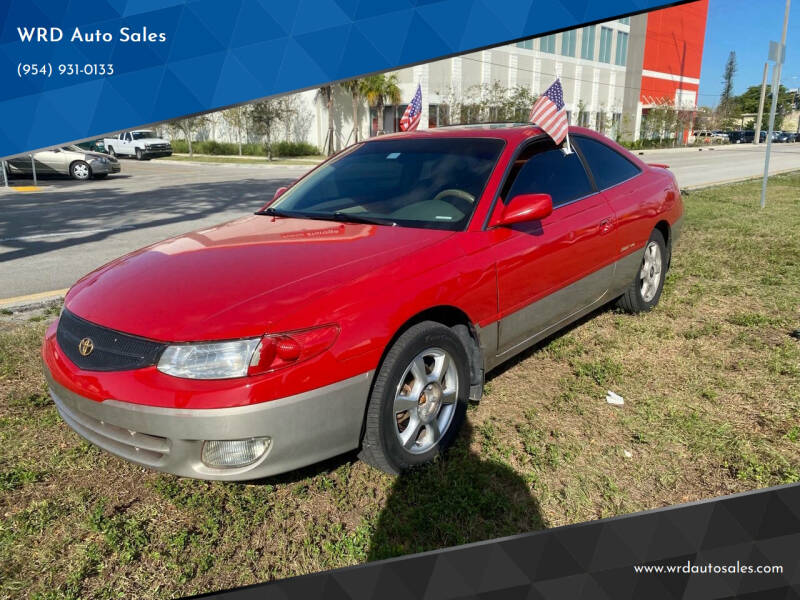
column 410, row 119
column 550, row 114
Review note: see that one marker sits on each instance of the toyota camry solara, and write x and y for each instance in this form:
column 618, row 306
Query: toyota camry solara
column 361, row 307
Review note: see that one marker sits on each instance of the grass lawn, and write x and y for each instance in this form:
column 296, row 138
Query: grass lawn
column 711, row 381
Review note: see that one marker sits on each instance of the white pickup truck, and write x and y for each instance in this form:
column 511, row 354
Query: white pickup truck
column 141, row 143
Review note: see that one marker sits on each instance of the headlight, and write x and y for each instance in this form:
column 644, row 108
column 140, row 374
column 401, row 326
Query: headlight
column 251, row 356
column 147, row 146
column 216, row 360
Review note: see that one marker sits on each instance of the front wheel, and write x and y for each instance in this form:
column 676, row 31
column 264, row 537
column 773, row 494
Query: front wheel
column 80, row 170
column 419, row 399
column 645, row 289
column 139, row 155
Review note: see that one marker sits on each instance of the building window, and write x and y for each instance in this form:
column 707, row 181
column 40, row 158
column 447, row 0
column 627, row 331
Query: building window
column 526, row 44
column 605, row 45
column 622, row 48
column 548, row 44
column 625, row 20
column 568, row 40
column 587, row 43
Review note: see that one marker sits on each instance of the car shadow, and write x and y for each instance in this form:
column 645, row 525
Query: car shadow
column 461, row 498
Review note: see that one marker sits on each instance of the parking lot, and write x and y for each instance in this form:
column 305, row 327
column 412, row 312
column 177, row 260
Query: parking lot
column 50, row 238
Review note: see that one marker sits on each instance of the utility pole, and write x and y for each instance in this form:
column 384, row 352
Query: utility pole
column 776, row 79
column 757, row 137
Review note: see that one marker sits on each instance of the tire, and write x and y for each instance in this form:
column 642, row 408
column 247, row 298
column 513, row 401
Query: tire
column 431, row 400
column 645, row 290
column 139, row 155
column 111, row 152
column 80, row 170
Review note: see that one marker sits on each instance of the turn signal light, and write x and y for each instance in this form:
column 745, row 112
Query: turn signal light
column 278, row 350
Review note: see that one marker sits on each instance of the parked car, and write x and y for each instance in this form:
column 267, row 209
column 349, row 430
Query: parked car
column 708, row 137
column 143, row 144
column 361, row 307
column 67, row 160
column 736, row 137
column 748, row 135
column 784, row 137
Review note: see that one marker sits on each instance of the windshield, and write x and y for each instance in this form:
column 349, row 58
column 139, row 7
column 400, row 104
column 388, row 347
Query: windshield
column 138, row 135
column 429, row 183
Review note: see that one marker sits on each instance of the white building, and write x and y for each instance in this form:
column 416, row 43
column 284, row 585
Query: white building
column 590, row 61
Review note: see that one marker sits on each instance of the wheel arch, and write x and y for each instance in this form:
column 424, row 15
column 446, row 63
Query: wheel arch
column 79, row 160
column 664, row 228
column 455, row 318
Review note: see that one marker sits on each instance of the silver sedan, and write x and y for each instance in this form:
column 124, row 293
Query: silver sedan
column 66, row 160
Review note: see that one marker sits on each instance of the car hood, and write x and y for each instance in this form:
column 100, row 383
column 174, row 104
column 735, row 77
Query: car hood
column 152, row 141
column 225, row 281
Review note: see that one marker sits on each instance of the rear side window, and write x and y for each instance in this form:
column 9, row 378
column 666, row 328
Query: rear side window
column 608, row 166
column 550, row 171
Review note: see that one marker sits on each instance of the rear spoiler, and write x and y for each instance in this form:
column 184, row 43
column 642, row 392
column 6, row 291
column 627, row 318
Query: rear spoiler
column 659, row 165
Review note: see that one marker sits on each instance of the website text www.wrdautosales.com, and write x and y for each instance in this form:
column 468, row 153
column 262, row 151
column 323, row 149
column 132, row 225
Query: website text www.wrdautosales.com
column 709, row 569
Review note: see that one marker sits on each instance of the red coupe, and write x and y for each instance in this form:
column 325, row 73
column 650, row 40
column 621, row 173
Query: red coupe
column 363, row 306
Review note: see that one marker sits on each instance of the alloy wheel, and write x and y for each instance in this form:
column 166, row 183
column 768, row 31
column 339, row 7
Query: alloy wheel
column 650, row 273
column 425, row 400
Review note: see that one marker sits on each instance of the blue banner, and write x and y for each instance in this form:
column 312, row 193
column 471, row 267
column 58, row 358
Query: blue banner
column 79, row 69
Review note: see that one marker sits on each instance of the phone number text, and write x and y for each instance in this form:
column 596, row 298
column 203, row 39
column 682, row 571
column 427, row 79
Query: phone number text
column 66, row 70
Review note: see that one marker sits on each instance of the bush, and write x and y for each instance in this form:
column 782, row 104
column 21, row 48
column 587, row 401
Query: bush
column 294, row 149
column 232, row 149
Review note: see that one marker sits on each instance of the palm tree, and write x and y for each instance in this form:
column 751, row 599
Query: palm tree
column 326, row 91
column 378, row 89
column 356, row 87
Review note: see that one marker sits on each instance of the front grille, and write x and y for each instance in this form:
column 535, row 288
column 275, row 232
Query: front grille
column 112, row 350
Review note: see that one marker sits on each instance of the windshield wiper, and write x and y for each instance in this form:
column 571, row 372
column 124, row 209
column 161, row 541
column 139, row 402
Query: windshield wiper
column 336, row 216
column 358, row 218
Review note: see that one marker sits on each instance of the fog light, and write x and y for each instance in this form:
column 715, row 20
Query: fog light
column 234, row 453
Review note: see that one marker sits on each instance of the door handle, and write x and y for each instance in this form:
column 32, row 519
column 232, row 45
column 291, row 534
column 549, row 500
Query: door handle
column 605, row 226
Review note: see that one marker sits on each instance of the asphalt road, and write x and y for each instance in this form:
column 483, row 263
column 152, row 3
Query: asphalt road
column 49, row 239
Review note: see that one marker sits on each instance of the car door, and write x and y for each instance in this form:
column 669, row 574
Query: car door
column 548, row 270
column 631, row 198
column 50, row 161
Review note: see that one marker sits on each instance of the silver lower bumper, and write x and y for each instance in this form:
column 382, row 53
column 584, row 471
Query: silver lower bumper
column 304, row 429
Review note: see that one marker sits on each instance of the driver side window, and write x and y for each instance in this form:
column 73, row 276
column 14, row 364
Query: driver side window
column 545, row 169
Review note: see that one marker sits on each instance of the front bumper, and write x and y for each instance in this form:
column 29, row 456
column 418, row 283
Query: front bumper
column 157, row 153
column 304, row 429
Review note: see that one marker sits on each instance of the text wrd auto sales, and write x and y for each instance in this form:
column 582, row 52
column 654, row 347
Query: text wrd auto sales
column 56, row 34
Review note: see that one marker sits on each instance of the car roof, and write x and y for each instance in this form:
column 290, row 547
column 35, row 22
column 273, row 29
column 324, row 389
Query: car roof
column 511, row 132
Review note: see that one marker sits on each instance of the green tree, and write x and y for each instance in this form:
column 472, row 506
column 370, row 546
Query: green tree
column 326, row 93
column 727, row 83
column 356, row 88
column 237, row 118
column 380, row 90
column 748, row 103
column 264, row 115
column 189, row 126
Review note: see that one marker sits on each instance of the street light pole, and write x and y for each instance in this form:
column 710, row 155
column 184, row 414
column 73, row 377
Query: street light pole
column 776, row 84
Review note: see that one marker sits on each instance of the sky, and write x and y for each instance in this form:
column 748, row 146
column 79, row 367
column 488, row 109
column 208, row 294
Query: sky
column 746, row 27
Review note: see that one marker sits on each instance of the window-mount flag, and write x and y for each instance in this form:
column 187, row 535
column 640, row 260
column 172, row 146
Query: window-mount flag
column 410, row 119
column 550, row 113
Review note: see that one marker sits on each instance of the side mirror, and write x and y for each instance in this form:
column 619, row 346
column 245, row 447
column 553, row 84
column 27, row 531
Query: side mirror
column 524, row 208
column 279, row 192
